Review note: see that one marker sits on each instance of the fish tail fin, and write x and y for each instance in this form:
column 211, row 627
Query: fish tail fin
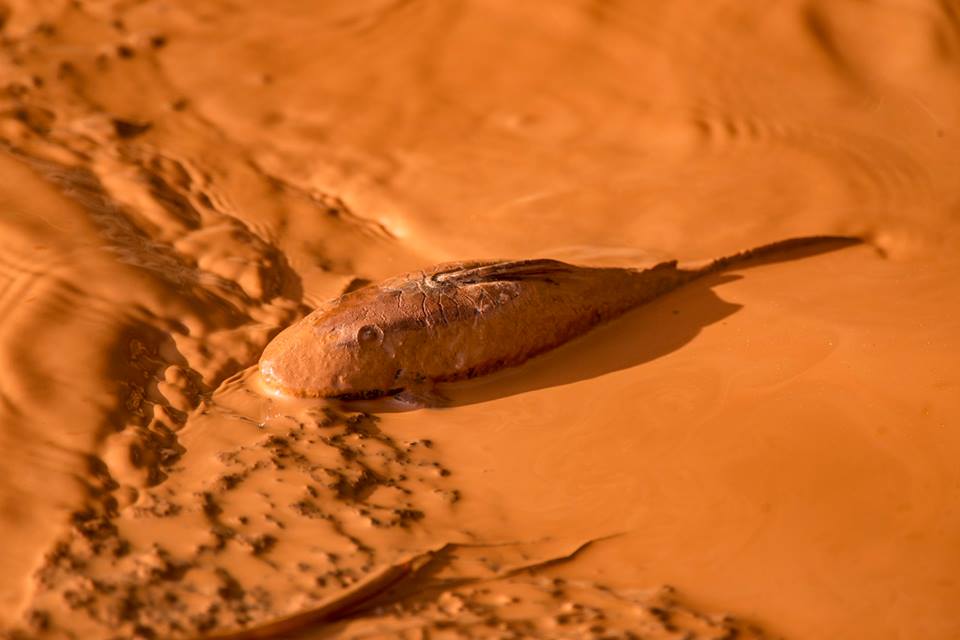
column 780, row 251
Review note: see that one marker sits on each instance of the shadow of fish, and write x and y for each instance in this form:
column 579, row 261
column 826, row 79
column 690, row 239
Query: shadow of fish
column 466, row 319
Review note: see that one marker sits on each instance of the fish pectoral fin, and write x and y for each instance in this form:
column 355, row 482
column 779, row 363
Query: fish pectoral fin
column 422, row 396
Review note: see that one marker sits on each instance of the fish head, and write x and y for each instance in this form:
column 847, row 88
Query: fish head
column 330, row 353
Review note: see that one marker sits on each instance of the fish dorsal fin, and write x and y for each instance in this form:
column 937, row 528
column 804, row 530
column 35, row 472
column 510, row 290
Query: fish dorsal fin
column 506, row 271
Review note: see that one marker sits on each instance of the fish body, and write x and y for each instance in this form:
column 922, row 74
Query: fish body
column 461, row 320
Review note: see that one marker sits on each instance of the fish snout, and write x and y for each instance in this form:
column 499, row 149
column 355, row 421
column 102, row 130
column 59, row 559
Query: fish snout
column 292, row 364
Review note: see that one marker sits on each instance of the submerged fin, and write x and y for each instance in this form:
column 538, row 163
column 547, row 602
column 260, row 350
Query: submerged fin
column 421, row 396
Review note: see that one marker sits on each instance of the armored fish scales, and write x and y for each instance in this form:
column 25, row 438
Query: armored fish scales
column 461, row 320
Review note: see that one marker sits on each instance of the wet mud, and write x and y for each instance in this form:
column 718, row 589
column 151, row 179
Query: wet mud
column 767, row 452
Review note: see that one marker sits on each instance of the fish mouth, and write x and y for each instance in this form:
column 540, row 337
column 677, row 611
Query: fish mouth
column 273, row 383
column 277, row 384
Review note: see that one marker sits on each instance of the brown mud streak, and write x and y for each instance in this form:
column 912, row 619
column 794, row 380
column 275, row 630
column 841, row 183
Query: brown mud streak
column 424, row 576
column 465, row 591
column 340, row 605
column 406, row 586
column 381, row 589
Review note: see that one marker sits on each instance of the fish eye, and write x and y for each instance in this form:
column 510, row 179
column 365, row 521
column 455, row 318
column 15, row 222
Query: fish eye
column 369, row 334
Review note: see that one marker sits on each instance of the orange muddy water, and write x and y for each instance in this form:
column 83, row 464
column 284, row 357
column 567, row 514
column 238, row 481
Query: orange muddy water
column 770, row 451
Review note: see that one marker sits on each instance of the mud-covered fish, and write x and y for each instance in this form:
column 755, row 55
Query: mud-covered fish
column 465, row 319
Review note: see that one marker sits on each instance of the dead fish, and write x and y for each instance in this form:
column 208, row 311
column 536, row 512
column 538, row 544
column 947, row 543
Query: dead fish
column 465, row 319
